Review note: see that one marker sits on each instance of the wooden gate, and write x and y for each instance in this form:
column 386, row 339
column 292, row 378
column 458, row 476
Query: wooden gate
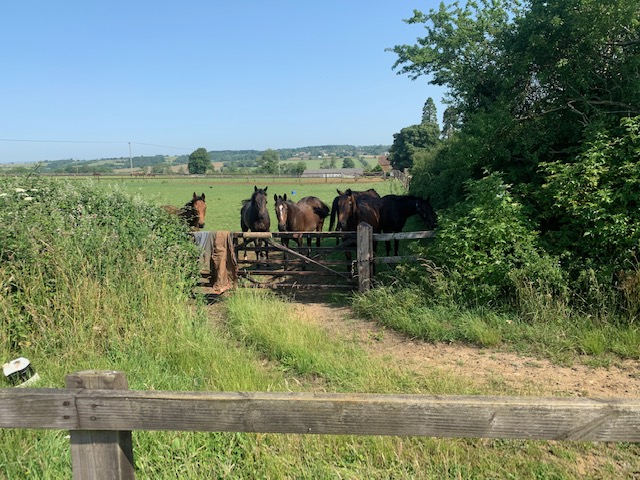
column 345, row 260
column 265, row 261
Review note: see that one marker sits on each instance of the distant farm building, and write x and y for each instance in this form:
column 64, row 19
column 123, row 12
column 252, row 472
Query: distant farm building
column 333, row 173
column 385, row 164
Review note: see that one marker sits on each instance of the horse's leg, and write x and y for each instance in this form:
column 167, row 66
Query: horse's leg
column 395, row 245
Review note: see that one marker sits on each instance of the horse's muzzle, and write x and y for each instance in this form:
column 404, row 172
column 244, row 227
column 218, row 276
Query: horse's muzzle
column 282, row 227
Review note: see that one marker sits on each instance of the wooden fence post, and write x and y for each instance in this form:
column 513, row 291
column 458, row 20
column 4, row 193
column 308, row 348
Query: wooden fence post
column 365, row 256
column 100, row 454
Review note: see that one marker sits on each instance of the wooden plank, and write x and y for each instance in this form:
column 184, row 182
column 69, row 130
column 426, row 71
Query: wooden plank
column 303, row 234
column 281, row 261
column 95, row 453
column 353, row 414
column 313, row 262
column 365, row 254
column 302, row 273
column 38, row 408
column 381, row 237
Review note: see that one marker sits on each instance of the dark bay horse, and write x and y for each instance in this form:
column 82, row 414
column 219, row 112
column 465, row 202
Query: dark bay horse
column 388, row 214
column 193, row 213
column 350, row 208
column 342, row 201
column 396, row 209
column 254, row 216
column 307, row 215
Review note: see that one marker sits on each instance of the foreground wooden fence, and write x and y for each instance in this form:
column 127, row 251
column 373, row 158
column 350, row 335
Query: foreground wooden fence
column 101, row 413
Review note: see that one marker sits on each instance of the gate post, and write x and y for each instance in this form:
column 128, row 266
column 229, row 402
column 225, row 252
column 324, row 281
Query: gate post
column 365, row 256
column 100, row 454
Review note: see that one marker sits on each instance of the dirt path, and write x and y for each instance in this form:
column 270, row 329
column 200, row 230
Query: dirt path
column 516, row 374
column 519, row 375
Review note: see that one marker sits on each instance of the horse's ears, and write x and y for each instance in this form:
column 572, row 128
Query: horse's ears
column 202, row 196
column 265, row 188
column 275, row 197
column 285, row 197
column 255, row 188
column 194, row 195
column 339, row 192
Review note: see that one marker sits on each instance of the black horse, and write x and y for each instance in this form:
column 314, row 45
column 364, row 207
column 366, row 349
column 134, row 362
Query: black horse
column 394, row 211
column 254, row 216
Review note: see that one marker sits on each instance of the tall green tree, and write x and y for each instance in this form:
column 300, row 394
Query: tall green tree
column 410, row 141
column 347, row 162
column 199, row 162
column 429, row 112
column 268, row 161
column 528, row 80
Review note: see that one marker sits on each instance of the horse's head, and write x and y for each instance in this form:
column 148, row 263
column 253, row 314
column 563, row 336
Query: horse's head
column 195, row 211
column 259, row 200
column 282, row 211
column 426, row 211
column 346, row 209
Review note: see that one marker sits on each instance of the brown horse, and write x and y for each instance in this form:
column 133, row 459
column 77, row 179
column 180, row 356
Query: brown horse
column 307, row 215
column 254, row 216
column 193, row 213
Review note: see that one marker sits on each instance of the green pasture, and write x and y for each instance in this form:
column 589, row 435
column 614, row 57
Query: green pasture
column 224, row 196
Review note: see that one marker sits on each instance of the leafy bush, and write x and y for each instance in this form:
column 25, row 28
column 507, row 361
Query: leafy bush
column 485, row 246
column 595, row 205
column 66, row 237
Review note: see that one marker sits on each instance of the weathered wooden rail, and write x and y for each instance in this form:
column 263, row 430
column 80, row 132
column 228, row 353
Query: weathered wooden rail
column 101, row 413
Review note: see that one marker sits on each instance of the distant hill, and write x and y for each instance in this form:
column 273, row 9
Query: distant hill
column 237, row 158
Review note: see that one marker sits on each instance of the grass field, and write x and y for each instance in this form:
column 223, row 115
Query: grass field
column 224, row 196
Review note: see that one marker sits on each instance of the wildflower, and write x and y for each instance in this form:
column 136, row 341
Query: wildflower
column 20, row 190
column 3, row 194
column 27, row 199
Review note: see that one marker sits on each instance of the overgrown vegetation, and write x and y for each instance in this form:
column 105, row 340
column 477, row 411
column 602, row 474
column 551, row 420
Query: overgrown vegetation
column 100, row 280
column 536, row 177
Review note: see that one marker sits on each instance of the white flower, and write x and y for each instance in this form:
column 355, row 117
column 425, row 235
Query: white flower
column 26, row 199
column 3, row 194
column 20, row 190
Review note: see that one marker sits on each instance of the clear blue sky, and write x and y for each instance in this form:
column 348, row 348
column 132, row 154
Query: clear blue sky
column 220, row 75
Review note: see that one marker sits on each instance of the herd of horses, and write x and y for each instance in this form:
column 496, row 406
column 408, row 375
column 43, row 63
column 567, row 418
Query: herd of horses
column 387, row 214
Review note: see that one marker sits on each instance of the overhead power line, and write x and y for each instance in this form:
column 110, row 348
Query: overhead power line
column 88, row 141
column 52, row 141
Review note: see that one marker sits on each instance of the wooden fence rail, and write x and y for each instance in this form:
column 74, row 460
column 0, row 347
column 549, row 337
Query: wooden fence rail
column 101, row 419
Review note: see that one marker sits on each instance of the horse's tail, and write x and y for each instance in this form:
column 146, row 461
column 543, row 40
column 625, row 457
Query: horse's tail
column 334, row 212
column 321, row 210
